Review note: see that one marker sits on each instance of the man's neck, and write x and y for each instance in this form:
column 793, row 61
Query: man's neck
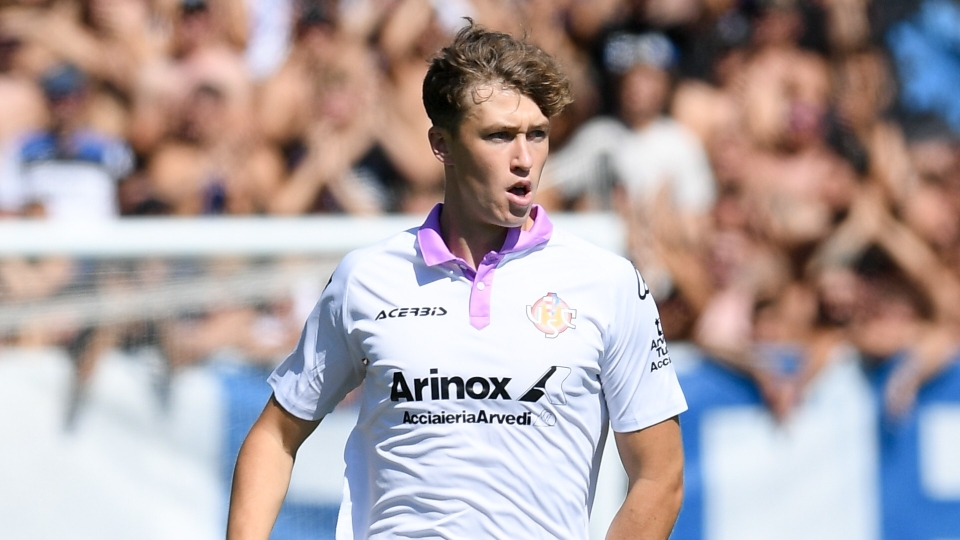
column 472, row 241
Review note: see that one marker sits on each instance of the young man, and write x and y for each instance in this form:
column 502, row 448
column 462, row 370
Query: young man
column 491, row 348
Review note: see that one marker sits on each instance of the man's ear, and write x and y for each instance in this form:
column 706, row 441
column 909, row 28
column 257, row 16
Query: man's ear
column 439, row 138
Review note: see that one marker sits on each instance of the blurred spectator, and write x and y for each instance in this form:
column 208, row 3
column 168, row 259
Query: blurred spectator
column 287, row 93
column 68, row 170
column 411, row 33
column 206, row 24
column 320, row 109
column 906, row 299
column 23, row 109
column 797, row 181
column 864, row 91
column 642, row 162
column 642, row 150
column 213, row 164
column 91, row 35
column 931, row 210
column 789, row 170
column 204, row 44
column 926, row 51
column 709, row 103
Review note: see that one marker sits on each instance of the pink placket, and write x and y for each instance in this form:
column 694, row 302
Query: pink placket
column 435, row 252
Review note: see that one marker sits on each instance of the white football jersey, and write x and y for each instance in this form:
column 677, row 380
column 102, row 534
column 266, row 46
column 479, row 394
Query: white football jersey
column 485, row 394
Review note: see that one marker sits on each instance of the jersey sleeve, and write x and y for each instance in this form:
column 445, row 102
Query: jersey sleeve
column 327, row 363
column 639, row 382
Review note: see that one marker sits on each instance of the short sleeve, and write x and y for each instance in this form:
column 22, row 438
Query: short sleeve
column 637, row 376
column 326, row 364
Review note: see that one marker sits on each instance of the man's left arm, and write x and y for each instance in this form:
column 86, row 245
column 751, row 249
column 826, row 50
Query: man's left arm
column 653, row 460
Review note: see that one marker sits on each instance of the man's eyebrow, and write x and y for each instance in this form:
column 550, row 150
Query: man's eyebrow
column 503, row 126
column 508, row 126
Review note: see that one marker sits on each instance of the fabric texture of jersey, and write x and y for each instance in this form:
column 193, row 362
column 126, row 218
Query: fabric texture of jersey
column 485, row 394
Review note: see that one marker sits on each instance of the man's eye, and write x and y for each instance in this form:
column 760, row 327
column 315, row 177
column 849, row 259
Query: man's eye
column 499, row 136
column 537, row 135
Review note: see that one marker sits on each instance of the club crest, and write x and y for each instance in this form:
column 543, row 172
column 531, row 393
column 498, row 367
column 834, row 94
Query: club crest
column 551, row 315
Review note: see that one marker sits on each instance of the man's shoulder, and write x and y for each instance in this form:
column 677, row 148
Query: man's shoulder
column 399, row 249
column 576, row 252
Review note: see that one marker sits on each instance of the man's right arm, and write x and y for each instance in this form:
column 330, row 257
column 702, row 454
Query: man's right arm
column 262, row 474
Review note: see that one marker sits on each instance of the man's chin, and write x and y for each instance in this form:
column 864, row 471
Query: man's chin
column 519, row 215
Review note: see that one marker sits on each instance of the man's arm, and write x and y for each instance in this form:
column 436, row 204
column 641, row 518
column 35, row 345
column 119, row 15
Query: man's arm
column 262, row 474
column 653, row 459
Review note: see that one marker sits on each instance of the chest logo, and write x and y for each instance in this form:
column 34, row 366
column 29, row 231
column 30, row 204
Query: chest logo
column 551, row 315
column 400, row 312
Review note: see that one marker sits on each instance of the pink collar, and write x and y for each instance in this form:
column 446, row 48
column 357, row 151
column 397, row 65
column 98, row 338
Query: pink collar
column 435, row 251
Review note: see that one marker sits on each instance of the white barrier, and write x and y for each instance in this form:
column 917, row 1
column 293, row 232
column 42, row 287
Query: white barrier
column 212, row 236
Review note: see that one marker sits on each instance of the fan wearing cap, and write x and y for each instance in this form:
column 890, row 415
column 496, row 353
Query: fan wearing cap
column 68, row 171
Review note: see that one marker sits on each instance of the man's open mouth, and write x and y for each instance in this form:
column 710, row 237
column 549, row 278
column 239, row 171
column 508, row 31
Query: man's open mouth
column 520, row 189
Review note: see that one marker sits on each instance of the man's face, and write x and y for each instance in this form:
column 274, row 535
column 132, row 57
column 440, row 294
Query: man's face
column 643, row 93
column 493, row 164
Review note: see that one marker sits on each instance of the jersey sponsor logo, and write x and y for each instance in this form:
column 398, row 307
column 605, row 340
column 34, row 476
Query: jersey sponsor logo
column 659, row 344
column 483, row 416
column 400, row 312
column 548, row 386
column 436, row 387
column 480, row 417
column 660, row 364
column 551, row 315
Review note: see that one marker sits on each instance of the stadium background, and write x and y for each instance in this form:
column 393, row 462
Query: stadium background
column 179, row 177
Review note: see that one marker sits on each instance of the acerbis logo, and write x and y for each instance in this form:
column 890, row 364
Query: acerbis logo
column 397, row 313
column 551, row 315
column 436, row 387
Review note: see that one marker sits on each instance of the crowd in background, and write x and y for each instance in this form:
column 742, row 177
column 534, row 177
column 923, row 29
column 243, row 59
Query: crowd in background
column 789, row 171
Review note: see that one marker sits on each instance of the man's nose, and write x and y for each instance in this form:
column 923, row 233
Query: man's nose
column 522, row 157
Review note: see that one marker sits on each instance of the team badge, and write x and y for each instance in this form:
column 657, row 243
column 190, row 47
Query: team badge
column 551, row 315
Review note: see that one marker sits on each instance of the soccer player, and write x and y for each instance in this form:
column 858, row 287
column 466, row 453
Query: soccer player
column 491, row 350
